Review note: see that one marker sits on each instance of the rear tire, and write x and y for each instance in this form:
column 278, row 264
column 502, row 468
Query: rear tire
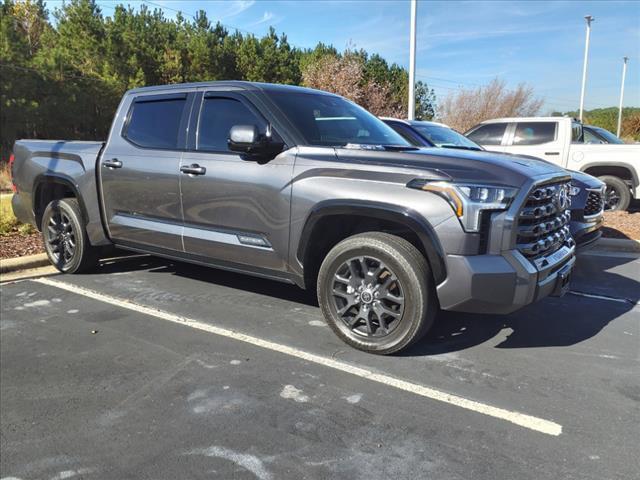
column 376, row 292
column 617, row 194
column 65, row 237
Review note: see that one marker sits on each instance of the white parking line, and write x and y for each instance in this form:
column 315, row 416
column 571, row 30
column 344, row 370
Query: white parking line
column 601, row 297
column 527, row 421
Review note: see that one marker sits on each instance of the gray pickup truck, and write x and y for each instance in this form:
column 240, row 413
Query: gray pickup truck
column 304, row 187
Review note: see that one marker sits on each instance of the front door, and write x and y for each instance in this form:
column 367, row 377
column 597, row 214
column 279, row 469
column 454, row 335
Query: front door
column 139, row 173
column 235, row 210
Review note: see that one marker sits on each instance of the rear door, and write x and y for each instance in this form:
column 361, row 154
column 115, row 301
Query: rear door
column 235, row 210
column 538, row 139
column 139, row 172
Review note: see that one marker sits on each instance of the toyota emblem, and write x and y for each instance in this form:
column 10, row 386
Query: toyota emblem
column 562, row 198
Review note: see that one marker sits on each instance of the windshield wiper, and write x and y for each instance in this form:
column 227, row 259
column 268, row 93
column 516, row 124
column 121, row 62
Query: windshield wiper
column 399, row 148
column 461, row 147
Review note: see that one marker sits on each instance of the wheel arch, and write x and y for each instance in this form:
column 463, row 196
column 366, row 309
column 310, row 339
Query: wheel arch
column 360, row 214
column 612, row 168
column 54, row 186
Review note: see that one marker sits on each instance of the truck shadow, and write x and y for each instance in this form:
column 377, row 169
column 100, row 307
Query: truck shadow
column 552, row 322
column 599, row 296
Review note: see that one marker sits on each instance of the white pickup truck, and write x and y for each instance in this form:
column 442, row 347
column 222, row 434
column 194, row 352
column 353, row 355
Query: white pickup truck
column 561, row 140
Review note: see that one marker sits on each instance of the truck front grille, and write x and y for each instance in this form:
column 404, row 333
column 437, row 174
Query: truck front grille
column 543, row 222
column 595, row 203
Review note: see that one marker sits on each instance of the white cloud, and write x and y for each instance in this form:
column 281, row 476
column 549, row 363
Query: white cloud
column 236, row 8
column 267, row 17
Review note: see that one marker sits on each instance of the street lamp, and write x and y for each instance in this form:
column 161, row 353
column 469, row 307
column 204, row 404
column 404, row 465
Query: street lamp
column 411, row 109
column 624, row 73
column 589, row 19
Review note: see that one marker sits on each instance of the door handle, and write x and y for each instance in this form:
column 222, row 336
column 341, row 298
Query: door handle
column 552, row 153
column 113, row 163
column 193, row 169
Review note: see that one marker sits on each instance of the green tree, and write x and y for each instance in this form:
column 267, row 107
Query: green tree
column 64, row 79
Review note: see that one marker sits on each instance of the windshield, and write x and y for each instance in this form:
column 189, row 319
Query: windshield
column 444, row 136
column 606, row 134
column 331, row 121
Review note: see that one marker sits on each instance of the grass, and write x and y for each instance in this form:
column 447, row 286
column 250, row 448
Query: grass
column 9, row 224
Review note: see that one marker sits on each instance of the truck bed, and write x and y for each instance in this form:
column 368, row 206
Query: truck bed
column 71, row 164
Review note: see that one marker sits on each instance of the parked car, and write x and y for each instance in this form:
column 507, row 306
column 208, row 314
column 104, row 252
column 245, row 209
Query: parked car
column 305, row 187
column 597, row 135
column 430, row 134
column 561, row 140
column 587, row 192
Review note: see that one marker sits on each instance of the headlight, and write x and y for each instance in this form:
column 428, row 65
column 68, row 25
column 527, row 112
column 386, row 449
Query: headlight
column 573, row 191
column 467, row 200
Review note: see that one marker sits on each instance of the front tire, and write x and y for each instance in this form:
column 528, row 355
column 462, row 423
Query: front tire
column 617, row 195
column 65, row 237
column 376, row 292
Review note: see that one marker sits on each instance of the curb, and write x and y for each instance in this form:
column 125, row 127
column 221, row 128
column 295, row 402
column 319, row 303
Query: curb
column 23, row 263
column 617, row 245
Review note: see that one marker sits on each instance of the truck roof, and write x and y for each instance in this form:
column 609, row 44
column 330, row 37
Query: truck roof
column 415, row 122
column 526, row 119
column 238, row 84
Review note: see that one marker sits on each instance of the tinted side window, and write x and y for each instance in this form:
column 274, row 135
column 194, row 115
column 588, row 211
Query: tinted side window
column 155, row 124
column 591, row 137
column 216, row 119
column 490, row 134
column 534, row 133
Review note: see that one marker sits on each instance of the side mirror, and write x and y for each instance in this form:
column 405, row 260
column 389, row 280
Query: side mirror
column 246, row 139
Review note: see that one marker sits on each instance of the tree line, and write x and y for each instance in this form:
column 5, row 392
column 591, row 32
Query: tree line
column 62, row 73
column 64, row 78
column 607, row 118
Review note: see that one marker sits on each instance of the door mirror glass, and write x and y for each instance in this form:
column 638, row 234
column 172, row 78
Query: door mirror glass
column 242, row 137
column 248, row 140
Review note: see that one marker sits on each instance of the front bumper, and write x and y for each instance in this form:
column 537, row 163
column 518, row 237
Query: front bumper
column 586, row 234
column 584, row 230
column 503, row 283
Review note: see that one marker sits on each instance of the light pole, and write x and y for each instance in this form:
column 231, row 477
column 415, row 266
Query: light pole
column 589, row 19
column 624, row 73
column 411, row 110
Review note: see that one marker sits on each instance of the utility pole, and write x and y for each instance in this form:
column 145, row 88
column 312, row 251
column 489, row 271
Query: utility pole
column 624, row 73
column 411, row 110
column 589, row 19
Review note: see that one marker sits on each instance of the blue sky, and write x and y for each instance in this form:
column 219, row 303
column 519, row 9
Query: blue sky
column 461, row 43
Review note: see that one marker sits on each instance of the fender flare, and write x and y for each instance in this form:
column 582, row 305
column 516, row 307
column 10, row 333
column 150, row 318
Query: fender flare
column 632, row 170
column 58, row 179
column 385, row 211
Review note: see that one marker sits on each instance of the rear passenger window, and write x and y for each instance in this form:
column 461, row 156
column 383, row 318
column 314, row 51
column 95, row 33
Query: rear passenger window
column 155, row 123
column 218, row 115
column 490, row 134
column 534, row 133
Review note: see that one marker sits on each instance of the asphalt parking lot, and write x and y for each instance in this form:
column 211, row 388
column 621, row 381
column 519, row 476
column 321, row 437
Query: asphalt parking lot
column 153, row 369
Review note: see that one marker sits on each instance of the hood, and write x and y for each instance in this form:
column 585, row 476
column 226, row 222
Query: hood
column 458, row 165
column 584, row 180
column 579, row 179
